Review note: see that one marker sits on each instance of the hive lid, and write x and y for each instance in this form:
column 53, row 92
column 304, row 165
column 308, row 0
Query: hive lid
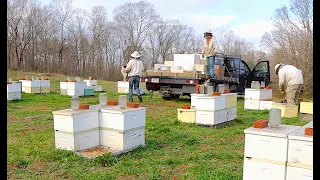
column 187, row 110
column 71, row 112
column 117, row 110
column 282, row 131
column 229, row 94
column 300, row 134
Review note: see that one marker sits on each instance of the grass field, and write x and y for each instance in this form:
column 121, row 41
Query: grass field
column 173, row 150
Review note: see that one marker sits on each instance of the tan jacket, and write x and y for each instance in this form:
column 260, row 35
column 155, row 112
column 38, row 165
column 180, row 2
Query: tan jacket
column 289, row 75
column 209, row 48
column 134, row 67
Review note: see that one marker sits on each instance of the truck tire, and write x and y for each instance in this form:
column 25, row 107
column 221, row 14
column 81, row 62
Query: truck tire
column 166, row 98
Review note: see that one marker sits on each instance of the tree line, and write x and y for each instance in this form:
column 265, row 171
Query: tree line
column 57, row 38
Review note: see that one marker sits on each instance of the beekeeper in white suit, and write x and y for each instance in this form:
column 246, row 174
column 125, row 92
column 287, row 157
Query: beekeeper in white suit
column 134, row 69
column 291, row 78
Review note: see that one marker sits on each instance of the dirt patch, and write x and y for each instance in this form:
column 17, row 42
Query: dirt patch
column 35, row 108
column 35, row 128
column 37, row 166
column 180, row 169
column 96, row 151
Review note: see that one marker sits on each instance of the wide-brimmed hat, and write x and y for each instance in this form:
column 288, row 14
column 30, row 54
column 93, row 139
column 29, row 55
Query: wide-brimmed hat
column 208, row 31
column 135, row 54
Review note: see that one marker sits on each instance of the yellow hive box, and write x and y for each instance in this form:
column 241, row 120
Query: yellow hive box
column 123, row 90
column 231, row 99
column 45, row 89
column 306, row 107
column 187, row 115
column 287, row 110
column 33, row 90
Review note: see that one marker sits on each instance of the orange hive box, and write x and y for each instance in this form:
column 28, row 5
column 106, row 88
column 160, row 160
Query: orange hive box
column 132, row 105
column 308, row 131
column 260, row 124
column 112, row 102
column 185, row 107
column 83, row 106
column 215, row 94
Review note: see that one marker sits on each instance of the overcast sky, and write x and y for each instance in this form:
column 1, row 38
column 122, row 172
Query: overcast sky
column 250, row 19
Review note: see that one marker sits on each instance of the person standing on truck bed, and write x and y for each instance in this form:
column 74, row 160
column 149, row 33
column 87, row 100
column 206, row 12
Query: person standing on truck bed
column 209, row 50
column 292, row 78
column 134, row 69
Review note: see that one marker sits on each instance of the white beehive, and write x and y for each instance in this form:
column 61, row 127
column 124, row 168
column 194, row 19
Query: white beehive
column 157, row 67
column 300, row 150
column 258, row 94
column 13, row 91
column 263, row 170
column 44, row 86
column 251, row 104
column 64, row 85
column 265, row 105
column 90, row 82
column 123, row 119
column 298, row 173
column 14, row 87
column 201, row 67
column 231, row 113
column 187, row 115
column 76, row 141
column 268, row 143
column 169, row 63
column 23, row 84
column 194, row 100
column 122, row 140
column 186, row 60
column 98, row 88
column 33, row 84
column 123, row 84
column 75, row 92
column 211, row 117
column 76, row 129
column 76, row 88
column 75, row 120
column 210, row 103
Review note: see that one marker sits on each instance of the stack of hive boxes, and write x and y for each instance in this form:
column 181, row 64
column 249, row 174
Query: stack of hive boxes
column 287, row 110
column 119, row 129
column 44, row 86
column 267, row 153
column 306, row 111
column 300, row 154
column 210, row 110
column 92, row 84
column 13, row 91
column 257, row 99
column 76, row 130
column 32, row 86
column 123, row 129
column 23, row 85
column 72, row 88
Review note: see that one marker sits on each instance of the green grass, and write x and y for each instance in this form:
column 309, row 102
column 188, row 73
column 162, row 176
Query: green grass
column 173, row 149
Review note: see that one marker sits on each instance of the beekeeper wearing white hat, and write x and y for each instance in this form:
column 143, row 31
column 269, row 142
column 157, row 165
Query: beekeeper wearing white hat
column 209, row 50
column 134, row 69
column 292, row 78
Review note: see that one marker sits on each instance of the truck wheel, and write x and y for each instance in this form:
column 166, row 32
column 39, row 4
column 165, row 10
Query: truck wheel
column 167, row 98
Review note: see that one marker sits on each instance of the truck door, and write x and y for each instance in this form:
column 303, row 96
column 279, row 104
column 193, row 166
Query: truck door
column 261, row 72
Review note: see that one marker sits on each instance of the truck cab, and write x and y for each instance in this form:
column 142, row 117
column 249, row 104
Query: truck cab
column 238, row 68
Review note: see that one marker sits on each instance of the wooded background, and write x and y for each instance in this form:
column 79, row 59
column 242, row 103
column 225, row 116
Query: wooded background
column 56, row 38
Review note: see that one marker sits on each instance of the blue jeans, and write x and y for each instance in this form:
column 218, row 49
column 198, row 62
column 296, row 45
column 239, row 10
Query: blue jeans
column 134, row 81
column 210, row 64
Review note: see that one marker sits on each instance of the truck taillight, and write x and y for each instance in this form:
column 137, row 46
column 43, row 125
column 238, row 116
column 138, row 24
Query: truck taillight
column 191, row 81
column 142, row 80
column 147, row 80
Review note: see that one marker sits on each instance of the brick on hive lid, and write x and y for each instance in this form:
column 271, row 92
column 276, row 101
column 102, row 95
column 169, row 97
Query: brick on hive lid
column 66, row 81
column 185, row 107
column 83, row 106
column 132, row 105
column 226, row 91
column 74, row 80
column 215, row 94
column 308, row 131
column 9, row 82
column 112, row 102
column 260, row 124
